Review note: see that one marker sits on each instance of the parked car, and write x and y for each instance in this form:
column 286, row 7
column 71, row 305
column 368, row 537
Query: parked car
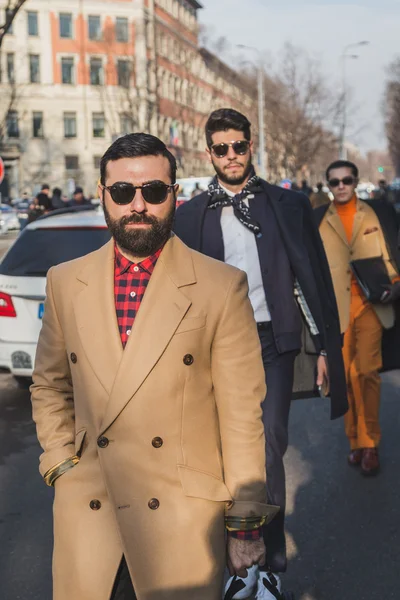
column 60, row 236
column 8, row 219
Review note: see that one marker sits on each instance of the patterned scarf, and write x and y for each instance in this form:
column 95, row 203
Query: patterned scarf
column 219, row 197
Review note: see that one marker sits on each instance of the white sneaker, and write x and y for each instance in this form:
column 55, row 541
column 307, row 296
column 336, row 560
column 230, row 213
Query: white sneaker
column 269, row 586
column 239, row 588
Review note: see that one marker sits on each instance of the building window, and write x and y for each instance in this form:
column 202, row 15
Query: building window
column 37, row 124
column 96, row 71
column 33, row 26
column 67, row 70
column 12, row 124
column 94, row 27
column 69, row 125
column 34, row 68
column 124, row 73
column 98, row 125
column 121, row 29
column 96, row 162
column 126, row 124
column 11, row 67
column 66, row 25
column 11, row 27
column 72, row 163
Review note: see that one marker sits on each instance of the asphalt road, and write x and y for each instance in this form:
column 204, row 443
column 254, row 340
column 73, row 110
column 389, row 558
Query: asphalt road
column 343, row 530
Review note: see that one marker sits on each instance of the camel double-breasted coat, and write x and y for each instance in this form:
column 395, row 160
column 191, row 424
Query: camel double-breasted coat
column 368, row 241
column 169, row 430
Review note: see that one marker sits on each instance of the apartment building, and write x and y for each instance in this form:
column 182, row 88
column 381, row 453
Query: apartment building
column 77, row 74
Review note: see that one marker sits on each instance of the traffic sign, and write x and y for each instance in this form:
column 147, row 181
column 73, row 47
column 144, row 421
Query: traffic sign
column 2, row 170
column 286, row 184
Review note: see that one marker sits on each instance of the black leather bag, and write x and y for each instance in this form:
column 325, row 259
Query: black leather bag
column 372, row 277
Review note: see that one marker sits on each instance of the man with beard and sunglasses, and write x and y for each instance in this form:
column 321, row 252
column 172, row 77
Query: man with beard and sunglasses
column 147, row 393
column 353, row 230
column 270, row 233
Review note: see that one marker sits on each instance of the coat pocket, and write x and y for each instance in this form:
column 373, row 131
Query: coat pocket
column 79, row 441
column 199, row 484
column 191, row 324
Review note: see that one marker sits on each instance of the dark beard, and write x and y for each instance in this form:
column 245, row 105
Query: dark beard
column 237, row 180
column 140, row 243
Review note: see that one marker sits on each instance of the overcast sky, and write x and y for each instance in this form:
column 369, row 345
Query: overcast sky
column 323, row 28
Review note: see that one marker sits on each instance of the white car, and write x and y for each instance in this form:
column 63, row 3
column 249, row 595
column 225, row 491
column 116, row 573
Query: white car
column 188, row 186
column 60, row 236
column 8, row 219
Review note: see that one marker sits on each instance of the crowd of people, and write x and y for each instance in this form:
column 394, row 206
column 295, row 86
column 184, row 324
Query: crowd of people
column 166, row 366
column 46, row 201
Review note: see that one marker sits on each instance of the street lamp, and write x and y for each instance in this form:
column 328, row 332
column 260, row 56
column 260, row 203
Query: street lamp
column 345, row 56
column 261, row 129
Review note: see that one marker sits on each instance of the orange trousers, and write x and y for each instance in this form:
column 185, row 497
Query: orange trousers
column 362, row 354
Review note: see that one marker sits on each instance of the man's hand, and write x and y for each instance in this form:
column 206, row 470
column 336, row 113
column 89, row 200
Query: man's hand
column 322, row 374
column 243, row 554
column 393, row 295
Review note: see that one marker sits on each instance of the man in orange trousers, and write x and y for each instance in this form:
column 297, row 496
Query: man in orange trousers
column 351, row 229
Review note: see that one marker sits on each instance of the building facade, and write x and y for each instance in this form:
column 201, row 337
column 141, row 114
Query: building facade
column 77, row 74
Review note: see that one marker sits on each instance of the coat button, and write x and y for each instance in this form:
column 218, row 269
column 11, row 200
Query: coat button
column 188, row 360
column 154, row 504
column 157, row 442
column 95, row 504
column 102, row 442
column 73, row 357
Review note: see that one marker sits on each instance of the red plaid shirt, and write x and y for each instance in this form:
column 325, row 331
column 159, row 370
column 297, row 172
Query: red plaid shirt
column 130, row 283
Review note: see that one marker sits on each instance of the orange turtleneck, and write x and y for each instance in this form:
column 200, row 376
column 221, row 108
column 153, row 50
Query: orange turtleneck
column 347, row 212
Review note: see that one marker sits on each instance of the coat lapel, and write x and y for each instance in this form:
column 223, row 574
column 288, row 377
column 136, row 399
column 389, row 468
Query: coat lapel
column 358, row 221
column 163, row 307
column 96, row 316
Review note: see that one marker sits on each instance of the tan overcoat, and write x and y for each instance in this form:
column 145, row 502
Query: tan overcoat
column 368, row 241
column 169, row 430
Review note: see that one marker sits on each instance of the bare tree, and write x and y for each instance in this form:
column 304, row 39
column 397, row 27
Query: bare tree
column 10, row 12
column 392, row 113
column 301, row 112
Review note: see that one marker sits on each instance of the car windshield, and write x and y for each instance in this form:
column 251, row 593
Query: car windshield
column 36, row 250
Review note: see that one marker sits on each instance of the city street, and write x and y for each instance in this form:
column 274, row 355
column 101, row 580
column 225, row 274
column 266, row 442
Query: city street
column 342, row 529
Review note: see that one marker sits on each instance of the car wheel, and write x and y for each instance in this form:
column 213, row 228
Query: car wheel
column 23, row 382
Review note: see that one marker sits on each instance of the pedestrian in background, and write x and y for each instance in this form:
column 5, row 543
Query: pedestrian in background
column 382, row 191
column 56, row 199
column 269, row 233
column 351, row 229
column 319, row 198
column 305, row 188
column 147, row 394
column 78, row 198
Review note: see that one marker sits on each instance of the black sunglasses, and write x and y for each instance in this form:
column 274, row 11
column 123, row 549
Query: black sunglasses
column 155, row 192
column 346, row 181
column 240, row 147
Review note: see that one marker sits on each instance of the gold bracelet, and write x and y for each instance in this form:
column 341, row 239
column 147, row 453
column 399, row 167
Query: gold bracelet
column 238, row 524
column 59, row 469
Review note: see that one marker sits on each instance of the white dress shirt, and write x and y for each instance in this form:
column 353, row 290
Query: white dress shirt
column 241, row 252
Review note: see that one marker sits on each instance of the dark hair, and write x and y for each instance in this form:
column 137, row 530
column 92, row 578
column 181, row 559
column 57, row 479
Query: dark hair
column 135, row 145
column 320, row 186
column 57, row 192
column 45, row 186
column 224, row 119
column 340, row 164
column 42, row 198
